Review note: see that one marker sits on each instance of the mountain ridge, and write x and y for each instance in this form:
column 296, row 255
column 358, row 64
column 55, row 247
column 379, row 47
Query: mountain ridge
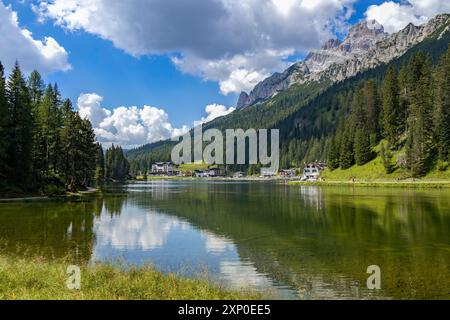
column 365, row 47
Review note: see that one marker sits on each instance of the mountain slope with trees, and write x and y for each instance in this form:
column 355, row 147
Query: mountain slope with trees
column 314, row 118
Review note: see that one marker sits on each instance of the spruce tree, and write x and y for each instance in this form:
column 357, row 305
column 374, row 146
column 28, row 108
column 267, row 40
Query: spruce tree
column 4, row 123
column 36, row 88
column 363, row 150
column 360, row 126
column 333, row 154
column 373, row 110
column 392, row 115
column 20, row 131
column 346, row 152
column 100, row 166
column 386, row 158
column 442, row 114
column 420, row 121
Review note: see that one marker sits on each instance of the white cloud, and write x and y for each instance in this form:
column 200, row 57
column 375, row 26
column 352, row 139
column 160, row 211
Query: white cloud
column 218, row 40
column 132, row 127
column 127, row 126
column 18, row 44
column 215, row 111
column 134, row 230
column 395, row 16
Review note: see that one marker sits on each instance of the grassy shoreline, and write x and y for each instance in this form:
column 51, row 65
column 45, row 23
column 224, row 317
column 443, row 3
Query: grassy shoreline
column 377, row 183
column 39, row 279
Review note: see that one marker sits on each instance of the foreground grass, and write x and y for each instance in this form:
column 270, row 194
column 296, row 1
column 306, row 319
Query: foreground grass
column 37, row 278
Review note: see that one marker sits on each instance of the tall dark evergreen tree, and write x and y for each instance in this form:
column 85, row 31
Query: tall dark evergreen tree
column 4, row 123
column 333, row 154
column 36, row 88
column 386, row 158
column 360, row 125
column 392, row 114
column 346, row 152
column 100, row 166
column 117, row 166
column 420, row 121
column 442, row 114
column 363, row 149
column 373, row 111
column 20, row 129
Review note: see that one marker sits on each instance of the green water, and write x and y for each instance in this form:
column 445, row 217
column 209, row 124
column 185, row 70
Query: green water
column 293, row 242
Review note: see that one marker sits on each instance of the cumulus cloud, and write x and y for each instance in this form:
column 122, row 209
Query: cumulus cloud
column 132, row 127
column 396, row 16
column 16, row 43
column 127, row 126
column 234, row 42
column 215, row 111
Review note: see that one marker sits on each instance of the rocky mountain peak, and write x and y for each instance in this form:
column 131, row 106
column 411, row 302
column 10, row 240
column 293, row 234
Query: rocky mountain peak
column 366, row 46
column 331, row 44
column 365, row 28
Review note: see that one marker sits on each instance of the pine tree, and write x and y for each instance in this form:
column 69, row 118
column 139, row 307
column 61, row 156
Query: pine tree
column 117, row 166
column 363, row 150
column 36, row 88
column 420, row 122
column 360, row 125
column 46, row 133
column 358, row 112
column 373, row 110
column 333, row 154
column 88, row 150
column 347, row 156
column 392, row 115
column 4, row 122
column 442, row 114
column 100, row 166
column 20, row 131
column 386, row 157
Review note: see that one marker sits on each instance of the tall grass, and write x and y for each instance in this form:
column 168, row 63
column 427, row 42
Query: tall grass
column 26, row 278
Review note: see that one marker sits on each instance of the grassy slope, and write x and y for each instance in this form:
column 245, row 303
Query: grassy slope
column 373, row 173
column 34, row 278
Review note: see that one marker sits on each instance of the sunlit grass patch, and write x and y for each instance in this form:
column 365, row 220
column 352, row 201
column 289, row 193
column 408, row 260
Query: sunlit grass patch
column 37, row 278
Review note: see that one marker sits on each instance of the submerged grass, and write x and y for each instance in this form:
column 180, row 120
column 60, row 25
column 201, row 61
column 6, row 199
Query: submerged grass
column 25, row 278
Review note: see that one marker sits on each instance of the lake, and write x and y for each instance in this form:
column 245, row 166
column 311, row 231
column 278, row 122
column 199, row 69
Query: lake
column 293, row 242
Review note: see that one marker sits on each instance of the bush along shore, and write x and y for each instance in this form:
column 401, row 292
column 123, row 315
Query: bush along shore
column 38, row 278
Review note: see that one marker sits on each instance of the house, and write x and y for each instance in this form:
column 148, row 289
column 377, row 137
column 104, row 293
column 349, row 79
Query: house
column 200, row 174
column 163, row 168
column 312, row 171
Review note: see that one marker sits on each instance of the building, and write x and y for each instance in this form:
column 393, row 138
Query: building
column 215, row 172
column 200, row 174
column 239, row 174
column 312, row 171
column 267, row 173
column 163, row 168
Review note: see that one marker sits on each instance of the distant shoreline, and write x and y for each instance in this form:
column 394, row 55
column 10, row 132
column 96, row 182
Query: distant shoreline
column 30, row 198
column 418, row 184
column 243, row 179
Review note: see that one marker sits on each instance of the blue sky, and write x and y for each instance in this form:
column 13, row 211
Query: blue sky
column 178, row 57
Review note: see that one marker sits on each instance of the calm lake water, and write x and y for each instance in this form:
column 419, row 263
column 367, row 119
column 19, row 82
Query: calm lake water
column 294, row 242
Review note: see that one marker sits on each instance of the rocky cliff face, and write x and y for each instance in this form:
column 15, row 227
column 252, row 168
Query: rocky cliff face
column 365, row 47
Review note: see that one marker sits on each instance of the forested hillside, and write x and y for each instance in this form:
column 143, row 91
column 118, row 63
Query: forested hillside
column 315, row 119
